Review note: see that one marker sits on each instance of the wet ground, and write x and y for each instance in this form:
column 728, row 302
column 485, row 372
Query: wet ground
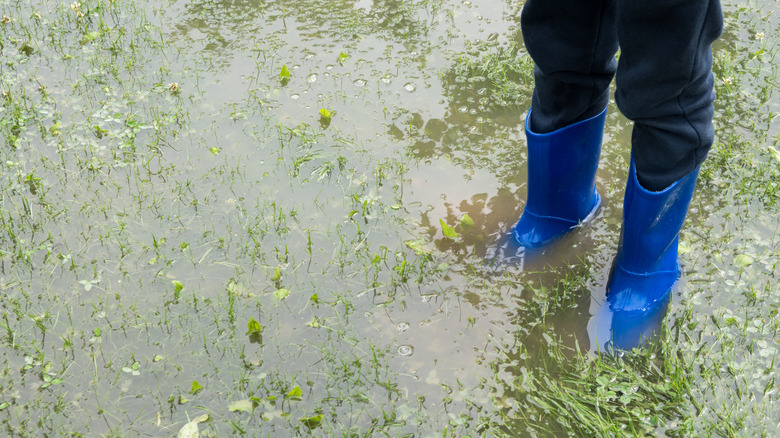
column 234, row 209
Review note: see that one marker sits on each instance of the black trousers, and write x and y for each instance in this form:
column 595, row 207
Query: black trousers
column 664, row 80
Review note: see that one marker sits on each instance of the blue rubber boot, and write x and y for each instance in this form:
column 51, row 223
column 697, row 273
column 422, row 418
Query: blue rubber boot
column 646, row 265
column 631, row 329
column 561, row 180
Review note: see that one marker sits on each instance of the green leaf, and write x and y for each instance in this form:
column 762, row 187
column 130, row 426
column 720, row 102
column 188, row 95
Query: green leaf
column 281, row 294
column 342, row 57
column 27, row 49
column 4, row 405
column 324, row 113
column 774, row 152
column 177, row 286
column 312, row 422
column 315, row 299
column 743, row 260
column 215, row 150
column 254, row 327
column 418, row 246
column 190, row 430
column 295, row 394
column 91, row 36
column 466, row 221
column 158, row 358
column 448, row 231
column 285, row 73
column 245, row 405
column 196, row 387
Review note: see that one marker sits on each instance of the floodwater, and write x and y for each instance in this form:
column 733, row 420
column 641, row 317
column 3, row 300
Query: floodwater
column 186, row 157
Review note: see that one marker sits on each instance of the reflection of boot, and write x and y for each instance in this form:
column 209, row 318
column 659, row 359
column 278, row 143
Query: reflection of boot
column 561, row 180
column 646, row 265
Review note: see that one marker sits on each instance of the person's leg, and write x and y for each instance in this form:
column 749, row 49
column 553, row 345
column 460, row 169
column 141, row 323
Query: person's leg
column 573, row 43
column 664, row 84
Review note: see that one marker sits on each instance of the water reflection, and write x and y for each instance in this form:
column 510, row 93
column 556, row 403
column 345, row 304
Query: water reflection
column 227, row 23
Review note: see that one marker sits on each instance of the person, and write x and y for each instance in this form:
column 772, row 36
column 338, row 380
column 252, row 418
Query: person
column 664, row 84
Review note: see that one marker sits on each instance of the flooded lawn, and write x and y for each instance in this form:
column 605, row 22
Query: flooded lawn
column 290, row 218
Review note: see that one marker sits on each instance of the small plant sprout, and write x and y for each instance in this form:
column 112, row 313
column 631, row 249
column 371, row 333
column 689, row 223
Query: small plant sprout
column 295, row 394
column 173, row 87
column 245, row 405
column 312, row 422
column 196, row 387
column 449, row 232
column 6, row 19
column 466, row 221
column 254, row 327
column 190, row 429
column 281, row 294
column 178, row 286
column 774, row 152
column 284, row 75
column 325, row 117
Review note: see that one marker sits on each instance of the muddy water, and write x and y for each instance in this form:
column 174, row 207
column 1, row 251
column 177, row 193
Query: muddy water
column 245, row 176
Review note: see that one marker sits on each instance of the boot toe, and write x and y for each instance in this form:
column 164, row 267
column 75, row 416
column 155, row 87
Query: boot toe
column 534, row 231
column 631, row 329
column 638, row 292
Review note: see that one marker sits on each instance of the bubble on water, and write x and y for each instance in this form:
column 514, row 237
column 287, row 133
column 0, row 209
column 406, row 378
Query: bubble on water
column 360, row 82
column 386, row 79
column 410, row 87
column 329, row 67
column 295, row 96
column 312, row 78
column 402, row 326
column 463, row 109
column 405, row 350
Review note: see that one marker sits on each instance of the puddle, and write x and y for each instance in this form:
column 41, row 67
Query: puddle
column 239, row 209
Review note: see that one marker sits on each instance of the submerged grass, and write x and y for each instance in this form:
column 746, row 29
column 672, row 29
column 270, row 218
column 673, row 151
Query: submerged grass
column 187, row 245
